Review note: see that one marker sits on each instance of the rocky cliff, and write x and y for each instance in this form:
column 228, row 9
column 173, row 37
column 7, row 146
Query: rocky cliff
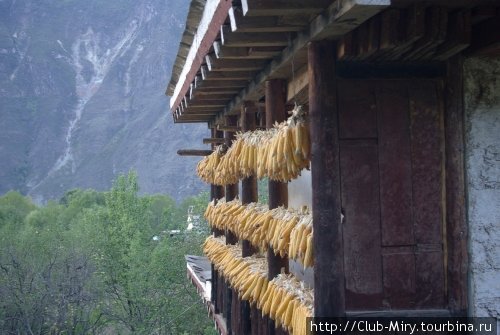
column 82, row 96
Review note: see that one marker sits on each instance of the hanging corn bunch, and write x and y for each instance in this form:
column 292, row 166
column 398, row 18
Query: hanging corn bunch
column 288, row 302
column 284, row 299
column 247, row 275
column 279, row 153
column 287, row 231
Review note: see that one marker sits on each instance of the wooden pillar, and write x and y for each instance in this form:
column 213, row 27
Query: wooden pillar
column 456, row 225
column 248, row 320
column 231, row 190
column 216, row 192
column 248, row 185
column 278, row 191
column 329, row 287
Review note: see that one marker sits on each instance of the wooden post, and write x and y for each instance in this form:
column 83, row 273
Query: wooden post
column 248, row 185
column 231, row 190
column 231, row 193
column 216, row 192
column 248, row 195
column 329, row 286
column 456, row 226
column 278, row 191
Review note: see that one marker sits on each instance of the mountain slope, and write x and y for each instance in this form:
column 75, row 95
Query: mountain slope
column 81, row 96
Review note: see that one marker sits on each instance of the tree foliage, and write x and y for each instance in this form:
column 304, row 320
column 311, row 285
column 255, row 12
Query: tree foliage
column 89, row 264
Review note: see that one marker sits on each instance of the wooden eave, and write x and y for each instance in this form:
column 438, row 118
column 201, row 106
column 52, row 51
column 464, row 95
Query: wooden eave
column 248, row 42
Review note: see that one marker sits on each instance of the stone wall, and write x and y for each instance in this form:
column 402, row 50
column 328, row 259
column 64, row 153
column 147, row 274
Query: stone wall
column 482, row 163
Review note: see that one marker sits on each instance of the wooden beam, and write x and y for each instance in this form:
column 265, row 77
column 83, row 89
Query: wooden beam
column 265, row 24
column 486, row 38
column 209, row 32
column 205, row 103
column 298, row 85
column 193, row 152
column 213, row 140
column 282, row 7
column 459, row 35
column 228, row 128
column 221, row 83
column 338, row 19
column 329, row 283
column 215, row 64
column 225, row 52
column 230, row 75
column 237, row 39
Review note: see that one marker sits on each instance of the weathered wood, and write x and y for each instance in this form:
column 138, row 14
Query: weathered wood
column 325, row 169
column 357, row 110
column 436, row 19
column 193, row 152
column 282, row 7
column 361, row 228
column 221, row 83
column 262, row 24
column 456, row 225
column 213, row 140
column 205, row 103
column 459, row 35
column 228, row 297
column 427, row 150
column 249, row 184
column 228, row 128
column 278, row 191
column 395, row 166
column 337, row 20
column 219, row 64
column 238, row 39
column 194, row 63
column 298, row 85
column 232, row 189
column 229, row 76
column 225, row 52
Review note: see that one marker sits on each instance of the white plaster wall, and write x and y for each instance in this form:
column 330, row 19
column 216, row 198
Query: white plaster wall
column 300, row 191
column 482, row 163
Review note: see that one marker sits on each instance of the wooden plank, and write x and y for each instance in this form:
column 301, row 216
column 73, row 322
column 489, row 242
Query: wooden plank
column 429, row 280
column 436, row 19
column 282, row 7
column 346, row 49
column 298, row 85
column 399, row 279
column 213, row 140
column 337, row 20
column 225, row 52
column 221, row 83
column 263, row 24
column 357, row 109
column 427, row 161
column 459, row 35
column 389, row 33
column 278, row 191
column 456, row 223
column 193, row 152
column 411, row 28
column 265, row 39
column 205, row 103
column 361, row 227
column 218, row 64
column 395, row 164
column 325, row 171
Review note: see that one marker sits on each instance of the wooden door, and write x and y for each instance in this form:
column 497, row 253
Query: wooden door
column 392, row 186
